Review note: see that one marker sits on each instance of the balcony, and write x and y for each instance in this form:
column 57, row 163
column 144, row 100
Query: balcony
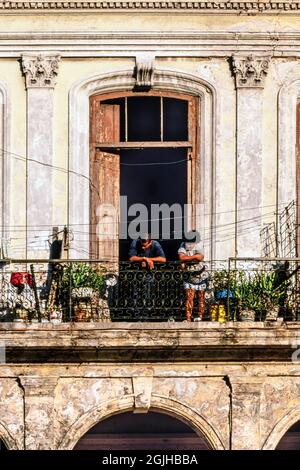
column 60, row 291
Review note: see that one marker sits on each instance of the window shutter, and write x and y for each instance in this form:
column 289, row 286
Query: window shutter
column 104, row 182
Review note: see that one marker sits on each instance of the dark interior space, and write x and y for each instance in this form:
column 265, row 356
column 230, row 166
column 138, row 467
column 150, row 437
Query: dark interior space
column 154, row 176
column 291, row 439
column 143, row 118
column 3, row 446
column 175, row 120
column 152, row 118
column 151, row 431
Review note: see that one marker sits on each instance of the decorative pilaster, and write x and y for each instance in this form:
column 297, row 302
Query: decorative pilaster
column 39, row 403
column 40, row 73
column 246, row 396
column 144, row 71
column 250, row 73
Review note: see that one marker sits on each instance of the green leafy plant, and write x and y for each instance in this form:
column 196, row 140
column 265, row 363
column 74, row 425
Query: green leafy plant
column 82, row 275
column 246, row 291
column 270, row 293
column 258, row 291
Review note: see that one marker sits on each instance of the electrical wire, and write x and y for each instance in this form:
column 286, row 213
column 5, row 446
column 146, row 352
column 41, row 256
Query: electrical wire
column 11, row 227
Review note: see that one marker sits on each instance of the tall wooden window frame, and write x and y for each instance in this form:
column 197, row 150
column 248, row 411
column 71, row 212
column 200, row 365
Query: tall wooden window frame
column 298, row 178
column 106, row 147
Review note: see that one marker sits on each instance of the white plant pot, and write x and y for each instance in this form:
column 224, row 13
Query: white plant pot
column 55, row 317
column 82, row 292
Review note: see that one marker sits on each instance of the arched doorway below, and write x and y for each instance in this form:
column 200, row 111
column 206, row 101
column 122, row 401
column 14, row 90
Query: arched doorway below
column 2, row 446
column 291, row 439
column 151, row 431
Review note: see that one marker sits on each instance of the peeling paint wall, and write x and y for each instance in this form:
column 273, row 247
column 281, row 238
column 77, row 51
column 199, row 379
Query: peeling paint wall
column 244, row 407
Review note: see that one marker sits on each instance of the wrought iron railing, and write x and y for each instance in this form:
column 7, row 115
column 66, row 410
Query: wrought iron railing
column 83, row 290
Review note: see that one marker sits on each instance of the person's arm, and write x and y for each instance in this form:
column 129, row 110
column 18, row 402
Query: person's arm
column 137, row 259
column 133, row 254
column 185, row 258
column 158, row 259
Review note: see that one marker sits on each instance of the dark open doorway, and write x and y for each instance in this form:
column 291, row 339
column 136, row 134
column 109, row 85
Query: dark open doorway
column 155, row 177
column 151, row 431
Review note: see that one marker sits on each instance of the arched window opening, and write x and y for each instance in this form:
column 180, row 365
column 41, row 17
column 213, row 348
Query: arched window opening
column 151, row 431
column 2, row 446
column 291, row 439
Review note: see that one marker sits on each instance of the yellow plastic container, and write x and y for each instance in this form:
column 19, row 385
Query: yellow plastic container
column 222, row 314
column 214, row 312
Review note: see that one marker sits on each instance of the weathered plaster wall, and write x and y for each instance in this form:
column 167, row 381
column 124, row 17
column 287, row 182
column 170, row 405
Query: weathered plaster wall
column 97, row 370
column 147, row 21
column 250, row 406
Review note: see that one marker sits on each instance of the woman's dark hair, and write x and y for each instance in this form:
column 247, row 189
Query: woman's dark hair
column 193, row 236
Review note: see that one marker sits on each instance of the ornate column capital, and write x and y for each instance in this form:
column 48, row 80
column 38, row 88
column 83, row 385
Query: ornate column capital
column 144, row 71
column 250, row 71
column 40, row 70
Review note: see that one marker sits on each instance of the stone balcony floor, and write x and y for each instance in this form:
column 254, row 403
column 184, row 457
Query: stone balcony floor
column 176, row 341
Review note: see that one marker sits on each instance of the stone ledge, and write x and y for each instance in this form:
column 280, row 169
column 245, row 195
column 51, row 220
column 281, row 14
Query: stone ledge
column 74, row 326
column 137, row 342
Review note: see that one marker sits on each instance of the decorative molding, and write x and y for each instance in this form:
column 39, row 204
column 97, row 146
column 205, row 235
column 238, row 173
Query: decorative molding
column 229, row 7
column 250, row 72
column 129, row 44
column 40, row 70
column 144, row 72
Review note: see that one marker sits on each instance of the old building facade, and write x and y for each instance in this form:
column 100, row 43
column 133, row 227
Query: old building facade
column 71, row 75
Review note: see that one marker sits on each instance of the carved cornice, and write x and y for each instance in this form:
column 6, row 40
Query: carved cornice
column 207, row 6
column 40, row 70
column 250, row 72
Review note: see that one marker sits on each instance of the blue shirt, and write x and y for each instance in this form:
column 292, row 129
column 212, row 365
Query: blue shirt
column 154, row 251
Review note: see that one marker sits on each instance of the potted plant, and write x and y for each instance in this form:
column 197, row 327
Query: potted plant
column 83, row 280
column 270, row 294
column 247, row 295
column 82, row 283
